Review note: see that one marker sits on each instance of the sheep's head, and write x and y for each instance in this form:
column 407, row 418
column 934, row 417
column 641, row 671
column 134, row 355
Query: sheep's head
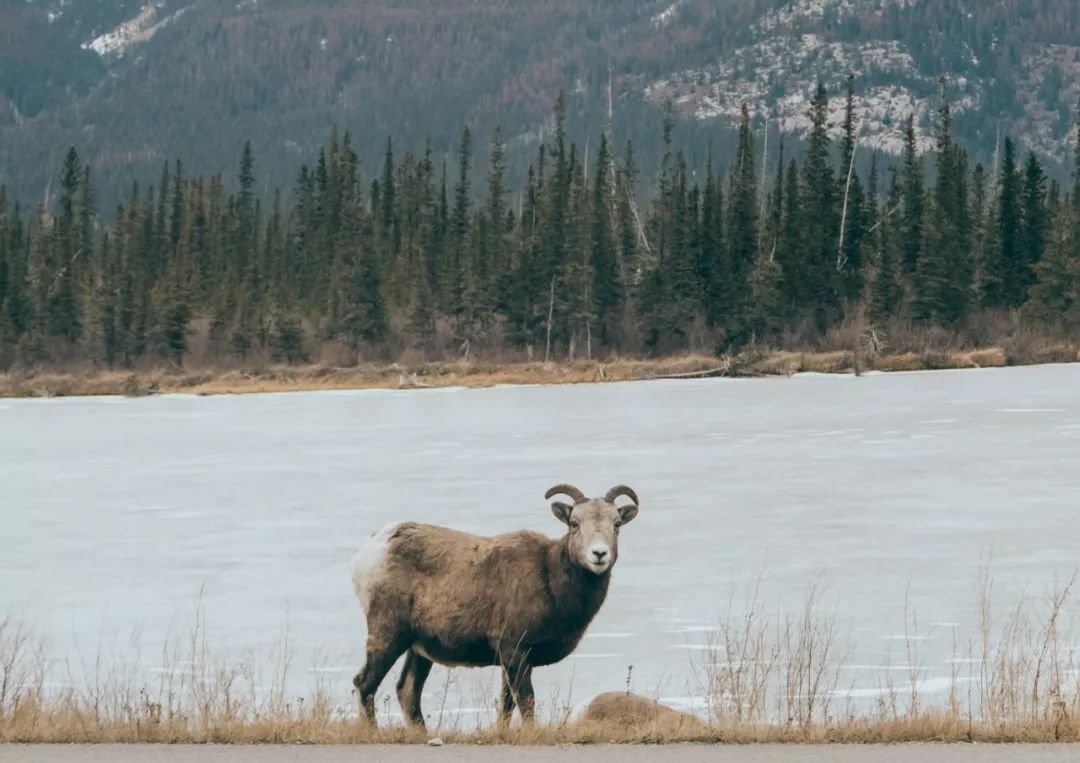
column 593, row 524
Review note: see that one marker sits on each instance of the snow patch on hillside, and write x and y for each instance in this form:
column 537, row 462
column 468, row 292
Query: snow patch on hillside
column 776, row 75
column 134, row 31
column 667, row 16
column 813, row 12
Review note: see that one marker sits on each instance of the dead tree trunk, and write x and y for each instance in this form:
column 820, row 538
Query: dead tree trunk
column 551, row 316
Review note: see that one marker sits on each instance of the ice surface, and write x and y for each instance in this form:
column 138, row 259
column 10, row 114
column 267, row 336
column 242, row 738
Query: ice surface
column 119, row 514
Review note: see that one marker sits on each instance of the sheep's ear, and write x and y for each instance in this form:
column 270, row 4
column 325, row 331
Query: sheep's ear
column 627, row 513
column 562, row 511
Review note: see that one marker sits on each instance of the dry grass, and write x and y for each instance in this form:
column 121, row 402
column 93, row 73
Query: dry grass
column 366, row 376
column 767, row 679
column 487, row 374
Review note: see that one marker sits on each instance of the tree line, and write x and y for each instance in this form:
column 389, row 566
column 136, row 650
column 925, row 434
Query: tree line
column 425, row 261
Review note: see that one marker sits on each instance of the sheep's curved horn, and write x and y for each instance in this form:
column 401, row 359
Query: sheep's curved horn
column 619, row 490
column 569, row 490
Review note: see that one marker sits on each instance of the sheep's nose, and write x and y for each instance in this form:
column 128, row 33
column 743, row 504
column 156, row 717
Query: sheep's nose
column 600, row 554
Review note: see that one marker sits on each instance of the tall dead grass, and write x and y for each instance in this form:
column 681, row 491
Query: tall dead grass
column 766, row 678
column 780, row 677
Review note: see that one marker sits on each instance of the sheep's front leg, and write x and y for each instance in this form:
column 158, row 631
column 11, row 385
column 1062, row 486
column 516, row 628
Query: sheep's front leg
column 517, row 689
column 411, row 686
column 506, row 711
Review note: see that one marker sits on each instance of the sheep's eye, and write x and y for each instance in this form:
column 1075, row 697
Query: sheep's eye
column 574, row 524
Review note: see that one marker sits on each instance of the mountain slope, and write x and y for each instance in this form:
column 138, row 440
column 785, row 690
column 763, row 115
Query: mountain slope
column 280, row 72
column 1009, row 65
column 134, row 85
column 41, row 66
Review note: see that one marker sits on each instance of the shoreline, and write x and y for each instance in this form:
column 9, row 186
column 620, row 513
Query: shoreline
column 479, row 374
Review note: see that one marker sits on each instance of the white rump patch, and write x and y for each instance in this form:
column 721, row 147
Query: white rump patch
column 368, row 562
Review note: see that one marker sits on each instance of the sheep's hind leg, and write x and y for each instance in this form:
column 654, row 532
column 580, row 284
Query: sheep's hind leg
column 517, row 689
column 410, row 686
column 378, row 664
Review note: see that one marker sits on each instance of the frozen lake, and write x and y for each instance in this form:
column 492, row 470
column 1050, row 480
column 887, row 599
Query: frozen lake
column 119, row 514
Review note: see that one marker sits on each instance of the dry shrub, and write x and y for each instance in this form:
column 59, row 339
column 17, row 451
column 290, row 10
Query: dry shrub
column 412, row 359
column 779, row 363
column 787, row 363
column 761, row 670
column 198, row 343
column 908, row 361
column 991, row 327
column 1026, row 348
column 828, row 362
column 991, row 357
column 842, row 336
column 336, row 354
column 445, row 338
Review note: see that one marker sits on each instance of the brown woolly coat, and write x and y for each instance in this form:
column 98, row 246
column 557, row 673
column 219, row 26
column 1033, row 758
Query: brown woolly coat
column 475, row 601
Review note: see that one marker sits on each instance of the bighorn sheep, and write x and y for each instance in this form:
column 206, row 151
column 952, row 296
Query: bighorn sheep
column 516, row 601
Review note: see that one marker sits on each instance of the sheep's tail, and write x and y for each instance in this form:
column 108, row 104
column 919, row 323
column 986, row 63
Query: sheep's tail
column 368, row 562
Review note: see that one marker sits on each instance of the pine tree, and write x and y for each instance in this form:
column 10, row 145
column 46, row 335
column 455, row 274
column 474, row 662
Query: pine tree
column 765, row 308
column 176, row 217
column 173, row 315
column 943, row 273
column 914, row 200
column 1002, row 285
column 60, row 276
column 287, row 339
column 1034, row 225
column 1055, row 297
column 742, row 235
column 886, row 293
column 669, row 295
column 685, row 307
column 579, row 272
column 244, row 223
column 495, row 264
column 852, row 200
column 608, row 286
column 8, row 336
column 160, row 247
column 818, row 295
column 981, row 238
column 387, row 203
column 790, row 250
column 628, row 225
column 361, row 316
column 458, row 260
column 712, row 256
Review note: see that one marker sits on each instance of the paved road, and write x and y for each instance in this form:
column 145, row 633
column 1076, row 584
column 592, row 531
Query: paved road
column 623, row 754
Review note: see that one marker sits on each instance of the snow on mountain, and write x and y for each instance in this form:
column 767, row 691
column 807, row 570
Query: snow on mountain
column 816, row 11
column 792, row 49
column 776, row 77
column 134, row 31
column 667, row 16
